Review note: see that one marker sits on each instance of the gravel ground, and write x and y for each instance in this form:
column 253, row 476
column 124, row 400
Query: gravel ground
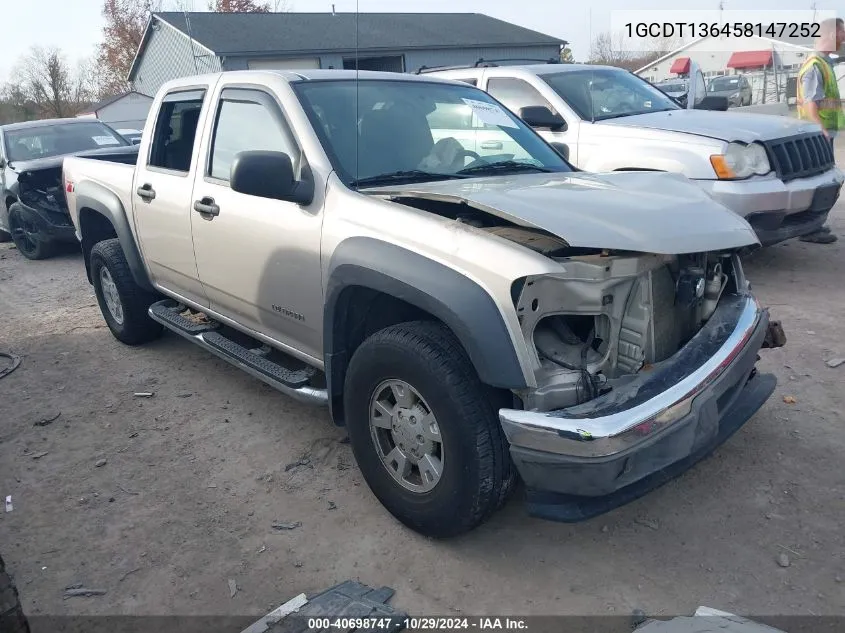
column 160, row 501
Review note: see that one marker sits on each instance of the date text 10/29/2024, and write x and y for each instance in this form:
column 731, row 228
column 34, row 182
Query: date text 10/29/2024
column 421, row 623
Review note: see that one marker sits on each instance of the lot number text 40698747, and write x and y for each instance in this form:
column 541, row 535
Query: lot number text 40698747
column 420, row 623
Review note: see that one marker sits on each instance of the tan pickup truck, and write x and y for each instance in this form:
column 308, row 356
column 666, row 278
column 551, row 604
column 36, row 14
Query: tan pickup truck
column 468, row 318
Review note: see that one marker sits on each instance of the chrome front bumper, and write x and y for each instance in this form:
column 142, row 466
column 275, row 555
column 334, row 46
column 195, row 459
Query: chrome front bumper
column 661, row 418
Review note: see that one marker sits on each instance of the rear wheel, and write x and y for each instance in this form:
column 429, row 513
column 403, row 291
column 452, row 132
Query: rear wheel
column 28, row 237
column 123, row 303
column 425, row 430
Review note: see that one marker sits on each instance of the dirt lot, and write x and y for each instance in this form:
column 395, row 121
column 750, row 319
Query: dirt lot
column 195, row 476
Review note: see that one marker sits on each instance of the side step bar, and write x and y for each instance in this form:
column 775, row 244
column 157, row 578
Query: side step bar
column 293, row 383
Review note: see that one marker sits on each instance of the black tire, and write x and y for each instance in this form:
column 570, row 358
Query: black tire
column 136, row 327
column 12, row 619
column 477, row 474
column 27, row 235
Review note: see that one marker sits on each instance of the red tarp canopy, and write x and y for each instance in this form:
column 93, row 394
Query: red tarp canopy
column 680, row 66
column 750, row 59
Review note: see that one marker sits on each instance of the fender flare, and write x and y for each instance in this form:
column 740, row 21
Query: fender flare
column 90, row 195
column 453, row 298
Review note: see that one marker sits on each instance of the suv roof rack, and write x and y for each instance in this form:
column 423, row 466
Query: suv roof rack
column 486, row 63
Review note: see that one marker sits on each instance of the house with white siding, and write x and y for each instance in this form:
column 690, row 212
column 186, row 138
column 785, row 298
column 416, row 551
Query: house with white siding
column 125, row 111
column 179, row 44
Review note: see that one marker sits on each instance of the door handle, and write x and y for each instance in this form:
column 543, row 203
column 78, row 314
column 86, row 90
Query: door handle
column 491, row 145
column 206, row 206
column 146, row 192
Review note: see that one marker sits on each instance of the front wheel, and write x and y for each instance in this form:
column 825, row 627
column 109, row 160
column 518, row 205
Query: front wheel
column 425, row 430
column 27, row 235
column 123, row 303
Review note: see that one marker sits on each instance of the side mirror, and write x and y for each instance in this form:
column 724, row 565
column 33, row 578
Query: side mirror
column 136, row 141
column 269, row 175
column 562, row 149
column 542, row 117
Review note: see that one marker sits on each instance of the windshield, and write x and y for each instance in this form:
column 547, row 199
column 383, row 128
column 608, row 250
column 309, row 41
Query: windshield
column 724, row 83
column 57, row 139
column 607, row 93
column 419, row 131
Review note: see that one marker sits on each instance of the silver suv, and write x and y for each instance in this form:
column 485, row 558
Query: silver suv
column 776, row 172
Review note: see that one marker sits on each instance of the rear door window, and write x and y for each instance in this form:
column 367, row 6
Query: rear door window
column 176, row 130
column 516, row 93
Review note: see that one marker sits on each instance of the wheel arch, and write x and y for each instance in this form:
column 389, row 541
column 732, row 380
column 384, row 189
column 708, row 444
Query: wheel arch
column 366, row 272
column 102, row 216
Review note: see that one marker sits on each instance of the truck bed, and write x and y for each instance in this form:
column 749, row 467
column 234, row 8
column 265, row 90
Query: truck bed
column 110, row 175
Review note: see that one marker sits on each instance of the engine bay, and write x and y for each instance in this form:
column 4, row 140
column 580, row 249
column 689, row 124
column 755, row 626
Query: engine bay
column 609, row 315
column 612, row 315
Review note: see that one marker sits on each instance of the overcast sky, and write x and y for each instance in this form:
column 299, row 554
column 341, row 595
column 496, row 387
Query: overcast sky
column 75, row 26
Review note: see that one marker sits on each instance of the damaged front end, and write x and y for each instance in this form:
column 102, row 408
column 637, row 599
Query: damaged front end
column 644, row 363
column 611, row 315
column 643, row 341
column 42, row 190
column 43, row 212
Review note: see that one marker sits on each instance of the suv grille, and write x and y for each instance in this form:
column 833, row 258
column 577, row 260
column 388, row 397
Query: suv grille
column 800, row 156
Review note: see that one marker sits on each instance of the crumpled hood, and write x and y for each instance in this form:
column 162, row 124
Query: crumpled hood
column 637, row 211
column 725, row 126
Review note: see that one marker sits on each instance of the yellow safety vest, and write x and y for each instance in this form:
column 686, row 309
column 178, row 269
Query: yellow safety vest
column 830, row 108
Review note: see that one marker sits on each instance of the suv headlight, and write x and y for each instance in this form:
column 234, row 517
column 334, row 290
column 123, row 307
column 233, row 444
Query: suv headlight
column 741, row 161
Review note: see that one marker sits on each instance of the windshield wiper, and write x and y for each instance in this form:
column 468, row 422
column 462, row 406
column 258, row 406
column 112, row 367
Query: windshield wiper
column 504, row 165
column 619, row 115
column 409, row 175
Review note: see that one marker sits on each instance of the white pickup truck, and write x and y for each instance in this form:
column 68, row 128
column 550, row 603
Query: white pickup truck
column 465, row 317
column 776, row 172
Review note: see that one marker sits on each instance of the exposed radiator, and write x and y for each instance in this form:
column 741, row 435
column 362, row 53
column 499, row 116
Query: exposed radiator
column 651, row 327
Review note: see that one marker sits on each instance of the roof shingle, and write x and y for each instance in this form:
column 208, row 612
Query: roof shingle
column 240, row 33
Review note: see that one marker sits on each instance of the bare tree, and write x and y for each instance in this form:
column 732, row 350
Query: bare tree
column 608, row 49
column 15, row 104
column 48, row 82
column 238, row 6
column 613, row 49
